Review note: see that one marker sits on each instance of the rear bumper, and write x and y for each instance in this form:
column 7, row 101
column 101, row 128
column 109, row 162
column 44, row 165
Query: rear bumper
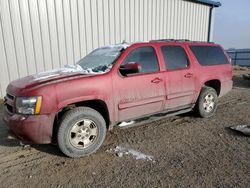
column 226, row 87
column 30, row 128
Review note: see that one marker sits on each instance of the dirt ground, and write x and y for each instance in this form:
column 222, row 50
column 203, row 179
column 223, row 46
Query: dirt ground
column 188, row 152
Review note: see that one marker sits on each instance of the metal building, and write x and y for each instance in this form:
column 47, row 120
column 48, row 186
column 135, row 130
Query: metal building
column 37, row 35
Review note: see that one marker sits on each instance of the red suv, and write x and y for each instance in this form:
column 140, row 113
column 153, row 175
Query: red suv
column 116, row 85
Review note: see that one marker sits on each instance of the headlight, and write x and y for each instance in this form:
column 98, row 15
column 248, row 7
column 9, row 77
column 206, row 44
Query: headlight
column 28, row 105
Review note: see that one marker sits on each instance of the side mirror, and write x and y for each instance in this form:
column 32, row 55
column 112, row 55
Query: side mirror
column 130, row 68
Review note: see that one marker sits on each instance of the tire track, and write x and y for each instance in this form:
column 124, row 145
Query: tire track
column 19, row 158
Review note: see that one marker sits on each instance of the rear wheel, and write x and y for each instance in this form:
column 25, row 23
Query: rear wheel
column 207, row 102
column 81, row 132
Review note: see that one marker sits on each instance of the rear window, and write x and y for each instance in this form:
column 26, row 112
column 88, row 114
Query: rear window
column 209, row 55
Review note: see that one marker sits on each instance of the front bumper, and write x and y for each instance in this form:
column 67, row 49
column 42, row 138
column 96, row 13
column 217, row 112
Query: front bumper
column 30, row 128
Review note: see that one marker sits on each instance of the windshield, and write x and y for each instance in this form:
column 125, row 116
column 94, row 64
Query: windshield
column 102, row 59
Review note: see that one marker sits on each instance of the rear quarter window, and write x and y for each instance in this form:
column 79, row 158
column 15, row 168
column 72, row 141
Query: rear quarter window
column 209, row 55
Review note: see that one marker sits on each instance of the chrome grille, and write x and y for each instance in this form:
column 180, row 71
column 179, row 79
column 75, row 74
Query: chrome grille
column 9, row 102
column 11, row 97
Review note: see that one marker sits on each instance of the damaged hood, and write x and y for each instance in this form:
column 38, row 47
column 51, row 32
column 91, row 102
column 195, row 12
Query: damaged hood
column 49, row 76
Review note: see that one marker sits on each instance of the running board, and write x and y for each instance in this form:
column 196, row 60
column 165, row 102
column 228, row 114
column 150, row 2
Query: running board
column 148, row 119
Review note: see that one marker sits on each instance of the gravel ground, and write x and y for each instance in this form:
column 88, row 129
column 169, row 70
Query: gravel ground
column 181, row 151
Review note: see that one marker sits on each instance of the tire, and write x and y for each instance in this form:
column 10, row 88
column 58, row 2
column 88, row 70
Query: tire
column 81, row 132
column 207, row 102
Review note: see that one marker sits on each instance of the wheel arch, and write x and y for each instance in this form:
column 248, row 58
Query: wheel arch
column 215, row 84
column 96, row 104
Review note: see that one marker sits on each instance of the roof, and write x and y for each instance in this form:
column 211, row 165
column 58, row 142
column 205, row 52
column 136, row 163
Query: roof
column 208, row 2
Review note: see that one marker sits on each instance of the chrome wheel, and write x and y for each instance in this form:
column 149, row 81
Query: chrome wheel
column 83, row 134
column 209, row 103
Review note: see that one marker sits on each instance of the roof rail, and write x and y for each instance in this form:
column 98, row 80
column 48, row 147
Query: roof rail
column 170, row 40
column 176, row 40
column 204, row 42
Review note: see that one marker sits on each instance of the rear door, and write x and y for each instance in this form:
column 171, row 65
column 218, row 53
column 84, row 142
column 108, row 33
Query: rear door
column 179, row 77
column 142, row 93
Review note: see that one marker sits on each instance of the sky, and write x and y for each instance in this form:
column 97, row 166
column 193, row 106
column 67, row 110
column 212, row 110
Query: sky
column 232, row 24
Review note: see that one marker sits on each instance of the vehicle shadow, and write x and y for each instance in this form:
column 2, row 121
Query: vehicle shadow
column 5, row 133
column 50, row 149
column 6, row 142
column 10, row 141
column 44, row 148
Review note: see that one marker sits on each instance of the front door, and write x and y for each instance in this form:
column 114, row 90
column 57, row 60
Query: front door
column 140, row 93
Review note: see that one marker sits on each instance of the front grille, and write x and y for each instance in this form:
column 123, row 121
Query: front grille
column 9, row 102
column 9, row 108
column 11, row 97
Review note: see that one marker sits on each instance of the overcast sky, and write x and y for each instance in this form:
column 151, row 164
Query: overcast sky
column 232, row 24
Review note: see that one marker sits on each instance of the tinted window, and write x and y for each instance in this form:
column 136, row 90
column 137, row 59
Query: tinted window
column 146, row 57
column 209, row 55
column 175, row 57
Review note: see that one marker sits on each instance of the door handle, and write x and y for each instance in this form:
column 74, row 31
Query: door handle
column 188, row 75
column 156, row 80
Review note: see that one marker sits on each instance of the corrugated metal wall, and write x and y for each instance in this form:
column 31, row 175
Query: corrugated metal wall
column 37, row 35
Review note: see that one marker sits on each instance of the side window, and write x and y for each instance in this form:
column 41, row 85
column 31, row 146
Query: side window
column 175, row 57
column 209, row 55
column 146, row 57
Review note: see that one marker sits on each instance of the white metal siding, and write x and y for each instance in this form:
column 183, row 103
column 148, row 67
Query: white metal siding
column 37, row 35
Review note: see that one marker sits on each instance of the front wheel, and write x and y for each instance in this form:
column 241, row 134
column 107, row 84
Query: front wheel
column 81, row 132
column 207, row 102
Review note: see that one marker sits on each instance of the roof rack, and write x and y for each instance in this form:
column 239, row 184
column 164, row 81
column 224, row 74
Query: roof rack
column 170, row 40
column 176, row 40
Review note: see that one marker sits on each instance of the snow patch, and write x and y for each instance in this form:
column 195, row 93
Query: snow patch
column 245, row 129
column 72, row 68
column 66, row 70
column 122, row 45
column 78, row 68
column 43, row 76
column 122, row 150
column 124, row 123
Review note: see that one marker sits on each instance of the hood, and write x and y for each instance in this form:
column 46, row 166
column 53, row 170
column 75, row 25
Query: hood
column 50, row 76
